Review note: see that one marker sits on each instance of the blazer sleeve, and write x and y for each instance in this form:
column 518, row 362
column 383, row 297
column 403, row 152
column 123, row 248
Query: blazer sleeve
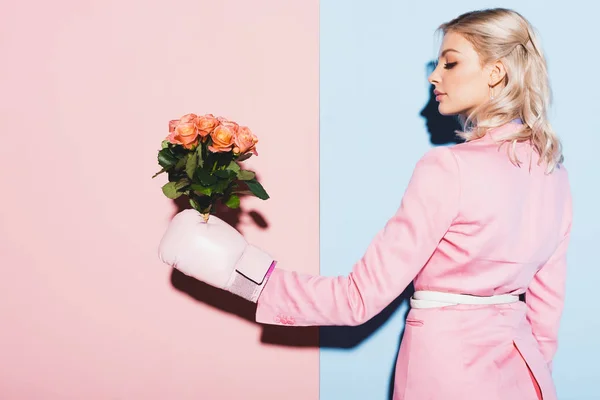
column 545, row 295
column 393, row 258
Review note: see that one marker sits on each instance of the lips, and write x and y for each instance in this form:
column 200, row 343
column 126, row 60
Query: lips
column 438, row 94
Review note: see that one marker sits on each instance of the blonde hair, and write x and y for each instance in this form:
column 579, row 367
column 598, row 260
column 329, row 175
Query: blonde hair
column 505, row 35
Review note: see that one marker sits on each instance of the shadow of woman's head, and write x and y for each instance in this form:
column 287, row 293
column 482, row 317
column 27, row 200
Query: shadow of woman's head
column 442, row 129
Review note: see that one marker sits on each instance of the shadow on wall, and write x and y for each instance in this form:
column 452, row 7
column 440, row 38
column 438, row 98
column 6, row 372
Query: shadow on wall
column 441, row 131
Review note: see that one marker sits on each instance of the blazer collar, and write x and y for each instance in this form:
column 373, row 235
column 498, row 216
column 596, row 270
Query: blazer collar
column 504, row 131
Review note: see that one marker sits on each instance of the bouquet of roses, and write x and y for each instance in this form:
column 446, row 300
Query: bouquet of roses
column 201, row 156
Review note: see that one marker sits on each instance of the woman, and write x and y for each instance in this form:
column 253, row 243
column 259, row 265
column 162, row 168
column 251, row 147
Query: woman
column 480, row 223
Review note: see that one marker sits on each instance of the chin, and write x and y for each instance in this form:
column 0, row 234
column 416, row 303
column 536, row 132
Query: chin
column 446, row 111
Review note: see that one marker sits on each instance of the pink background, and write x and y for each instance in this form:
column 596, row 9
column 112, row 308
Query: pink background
column 87, row 309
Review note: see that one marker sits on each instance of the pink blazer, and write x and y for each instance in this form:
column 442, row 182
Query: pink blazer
column 469, row 222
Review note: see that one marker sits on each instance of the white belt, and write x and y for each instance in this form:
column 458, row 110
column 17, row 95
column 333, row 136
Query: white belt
column 432, row 299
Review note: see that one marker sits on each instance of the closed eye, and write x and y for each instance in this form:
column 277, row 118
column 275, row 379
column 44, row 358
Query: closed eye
column 449, row 65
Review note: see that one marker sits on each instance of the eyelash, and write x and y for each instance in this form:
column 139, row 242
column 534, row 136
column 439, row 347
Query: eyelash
column 449, row 65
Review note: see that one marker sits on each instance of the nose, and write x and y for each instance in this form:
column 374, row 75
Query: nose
column 434, row 77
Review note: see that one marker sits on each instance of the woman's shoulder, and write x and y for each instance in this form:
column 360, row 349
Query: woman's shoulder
column 437, row 162
column 486, row 153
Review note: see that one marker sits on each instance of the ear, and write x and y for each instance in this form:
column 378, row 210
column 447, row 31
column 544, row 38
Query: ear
column 497, row 73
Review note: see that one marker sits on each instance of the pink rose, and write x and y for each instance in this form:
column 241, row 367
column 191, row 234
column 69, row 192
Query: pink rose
column 245, row 141
column 186, row 118
column 223, row 136
column 184, row 131
column 172, row 125
column 206, row 124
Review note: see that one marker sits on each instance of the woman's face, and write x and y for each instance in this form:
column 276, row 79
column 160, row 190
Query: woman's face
column 461, row 83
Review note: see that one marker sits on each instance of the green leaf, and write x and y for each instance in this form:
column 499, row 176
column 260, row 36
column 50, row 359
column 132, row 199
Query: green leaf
column 233, row 202
column 257, row 189
column 170, row 190
column 222, row 173
column 166, row 159
column 234, row 166
column 164, row 144
column 223, row 159
column 191, row 164
column 245, row 175
column 201, row 189
column 220, row 186
column 183, row 182
column 181, row 162
column 199, row 155
column 205, row 177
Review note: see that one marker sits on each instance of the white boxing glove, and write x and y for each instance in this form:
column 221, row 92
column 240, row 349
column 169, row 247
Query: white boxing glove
column 215, row 253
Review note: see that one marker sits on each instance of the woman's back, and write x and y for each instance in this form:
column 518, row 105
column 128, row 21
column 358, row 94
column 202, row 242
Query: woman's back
column 510, row 220
column 509, row 236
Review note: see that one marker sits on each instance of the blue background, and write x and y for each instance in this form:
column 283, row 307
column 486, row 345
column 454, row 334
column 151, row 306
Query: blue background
column 373, row 103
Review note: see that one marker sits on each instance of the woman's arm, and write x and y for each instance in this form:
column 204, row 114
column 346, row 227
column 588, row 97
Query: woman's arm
column 546, row 293
column 392, row 260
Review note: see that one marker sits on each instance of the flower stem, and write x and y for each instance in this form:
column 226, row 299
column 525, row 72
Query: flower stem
column 206, row 214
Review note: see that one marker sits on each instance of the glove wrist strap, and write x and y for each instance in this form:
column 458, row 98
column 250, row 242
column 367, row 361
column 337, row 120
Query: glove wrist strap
column 251, row 274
